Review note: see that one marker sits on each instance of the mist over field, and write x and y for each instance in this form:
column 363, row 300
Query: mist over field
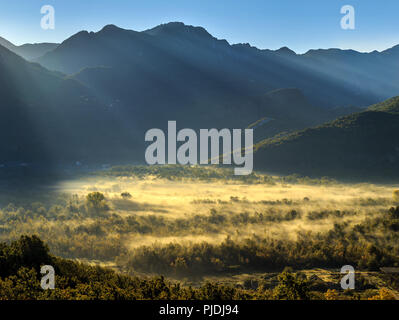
column 183, row 200
column 201, row 223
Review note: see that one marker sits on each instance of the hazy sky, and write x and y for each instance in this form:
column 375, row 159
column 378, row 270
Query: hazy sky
column 298, row 24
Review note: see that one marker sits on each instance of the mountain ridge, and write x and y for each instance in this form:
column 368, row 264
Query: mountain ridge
column 360, row 146
column 29, row 51
column 188, row 52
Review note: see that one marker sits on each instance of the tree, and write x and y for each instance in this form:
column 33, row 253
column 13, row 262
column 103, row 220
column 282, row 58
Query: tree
column 291, row 286
column 96, row 202
column 126, row 195
column 95, row 198
column 396, row 196
column 28, row 251
column 394, row 212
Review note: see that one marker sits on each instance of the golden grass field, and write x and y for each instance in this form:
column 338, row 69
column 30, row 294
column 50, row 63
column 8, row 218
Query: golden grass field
column 184, row 199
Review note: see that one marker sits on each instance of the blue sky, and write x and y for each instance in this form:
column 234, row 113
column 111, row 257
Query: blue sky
column 298, row 24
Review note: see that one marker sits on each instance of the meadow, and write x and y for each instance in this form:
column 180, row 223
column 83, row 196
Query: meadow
column 198, row 224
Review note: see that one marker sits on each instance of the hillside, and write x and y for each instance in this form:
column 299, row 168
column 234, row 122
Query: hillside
column 29, row 51
column 390, row 106
column 5, row 43
column 288, row 110
column 361, row 145
column 47, row 119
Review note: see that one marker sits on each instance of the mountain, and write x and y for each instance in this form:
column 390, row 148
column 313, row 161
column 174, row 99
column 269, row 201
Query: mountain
column 288, row 110
column 181, row 73
column 187, row 65
column 29, row 51
column 32, row 51
column 47, row 119
column 111, row 86
column 7, row 44
column 374, row 71
column 362, row 145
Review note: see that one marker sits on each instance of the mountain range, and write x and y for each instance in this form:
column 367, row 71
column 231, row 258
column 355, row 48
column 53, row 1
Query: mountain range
column 92, row 97
column 192, row 59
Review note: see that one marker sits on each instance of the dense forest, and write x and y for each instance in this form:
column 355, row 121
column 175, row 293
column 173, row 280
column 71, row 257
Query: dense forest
column 20, row 263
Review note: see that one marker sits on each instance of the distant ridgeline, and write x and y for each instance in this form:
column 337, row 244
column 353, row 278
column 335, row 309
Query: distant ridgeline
column 106, row 89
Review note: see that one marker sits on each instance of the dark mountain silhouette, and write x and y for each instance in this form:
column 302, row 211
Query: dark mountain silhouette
column 29, row 51
column 110, row 87
column 46, row 119
column 185, row 64
column 49, row 119
column 178, row 72
column 362, row 146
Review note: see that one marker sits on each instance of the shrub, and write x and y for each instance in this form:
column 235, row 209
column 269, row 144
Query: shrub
column 126, row 195
column 291, row 286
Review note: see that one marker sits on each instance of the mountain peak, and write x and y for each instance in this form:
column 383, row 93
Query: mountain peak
column 178, row 28
column 285, row 50
column 111, row 28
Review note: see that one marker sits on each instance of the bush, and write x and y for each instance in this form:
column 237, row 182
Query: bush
column 291, row 286
column 126, row 195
